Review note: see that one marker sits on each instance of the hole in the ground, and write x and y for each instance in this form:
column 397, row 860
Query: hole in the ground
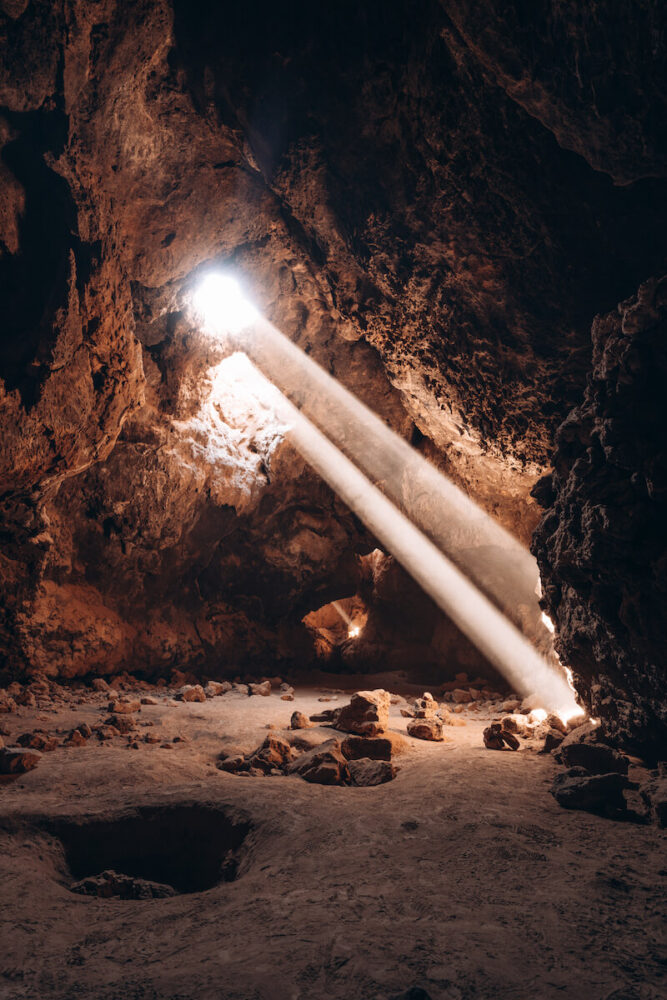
column 188, row 847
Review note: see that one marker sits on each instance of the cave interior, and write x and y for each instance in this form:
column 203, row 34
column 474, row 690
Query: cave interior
column 333, row 451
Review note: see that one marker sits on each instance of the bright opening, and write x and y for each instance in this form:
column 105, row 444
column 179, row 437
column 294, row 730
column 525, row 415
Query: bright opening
column 221, row 305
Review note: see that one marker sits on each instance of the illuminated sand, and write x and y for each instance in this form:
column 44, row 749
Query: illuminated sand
column 462, row 877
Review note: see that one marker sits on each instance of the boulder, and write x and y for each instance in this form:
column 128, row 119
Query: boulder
column 597, row 758
column 426, row 729
column 552, row 740
column 273, row 753
column 367, row 714
column 366, row 772
column 7, row 703
column 461, row 696
column 99, row 684
column 18, row 760
column 654, row 795
column 601, row 794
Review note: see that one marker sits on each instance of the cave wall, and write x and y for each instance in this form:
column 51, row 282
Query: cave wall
column 602, row 543
column 431, row 198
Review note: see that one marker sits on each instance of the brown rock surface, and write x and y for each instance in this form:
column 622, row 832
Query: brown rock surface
column 366, row 715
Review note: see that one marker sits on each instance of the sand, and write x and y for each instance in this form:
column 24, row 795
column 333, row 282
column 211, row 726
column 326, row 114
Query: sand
column 462, row 876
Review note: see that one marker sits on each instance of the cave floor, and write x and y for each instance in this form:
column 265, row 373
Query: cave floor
column 462, row 876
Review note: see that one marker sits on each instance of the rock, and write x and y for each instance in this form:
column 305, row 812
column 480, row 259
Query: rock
column 552, row 740
column 114, row 885
column 497, row 738
column 299, row 721
column 18, row 760
column 75, row 739
column 7, row 703
column 273, row 753
column 99, row 684
column 448, row 719
column 554, row 721
column 654, row 795
column 424, row 707
column 597, row 758
column 324, row 765
column 263, row 689
column 38, row 740
column 367, row 772
column 596, row 793
column 152, row 738
column 240, row 689
column 374, row 748
column 287, row 697
column 530, row 703
column 147, row 700
column 26, row 699
column 367, row 713
column 121, row 723
column 106, row 732
column 461, row 696
column 407, row 713
column 124, row 706
column 511, row 705
column 426, row 729
column 191, row 692
column 214, row 689
column 518, row 724
column 233, row 764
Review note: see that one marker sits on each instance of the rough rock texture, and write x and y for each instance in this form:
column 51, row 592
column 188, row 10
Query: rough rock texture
column 431, row 198
column 602, row 544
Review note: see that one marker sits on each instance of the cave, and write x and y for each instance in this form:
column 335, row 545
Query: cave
column 333, row 499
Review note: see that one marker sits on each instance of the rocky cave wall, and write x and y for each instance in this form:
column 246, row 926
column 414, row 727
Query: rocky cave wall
column 432, row 198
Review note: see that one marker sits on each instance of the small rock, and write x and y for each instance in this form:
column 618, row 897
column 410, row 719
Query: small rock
column 512, row 705
column 38, row 740
column 461, row 696
column 121, row 723
column 214, row 689
column 366, row 772
column 106, row 732
column 147, row 700
column 233, row 764
column 426, row 729
column 299, row 721
column 99, row 684
column 26, row 699
column 7, row 703
column 324, row 765
column 75, row 739
column 191, row 692
column 424, row 707
column 241, row 689
column 263, row 689
column 497, row 738
column 111, row 884
column 518, row 724
column 287, row 697
column 122, row 706
column 152, row 738
column 554, row 721
column 18, row 760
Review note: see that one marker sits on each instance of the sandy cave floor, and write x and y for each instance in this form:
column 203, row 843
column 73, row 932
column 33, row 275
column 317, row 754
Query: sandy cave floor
column 462, row 876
